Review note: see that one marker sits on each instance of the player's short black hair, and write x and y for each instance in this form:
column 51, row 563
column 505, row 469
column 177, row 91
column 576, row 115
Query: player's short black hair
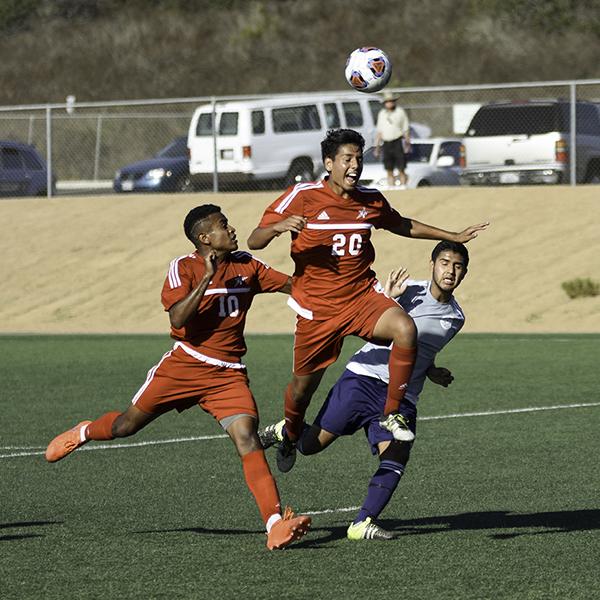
column 339, row 137
column 195, row 216
column 446, row 246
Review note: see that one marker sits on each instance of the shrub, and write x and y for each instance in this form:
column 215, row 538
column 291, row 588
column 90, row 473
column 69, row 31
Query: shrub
column 581, row 288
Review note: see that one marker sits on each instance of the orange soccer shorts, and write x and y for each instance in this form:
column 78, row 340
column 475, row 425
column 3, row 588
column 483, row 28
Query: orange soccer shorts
column 180, row 381
column 317, row 344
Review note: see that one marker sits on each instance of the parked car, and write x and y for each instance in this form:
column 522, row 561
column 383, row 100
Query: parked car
column 168, row 171
column 23, row 172
column 432, row 161
column 529, row 143
column 276, row 139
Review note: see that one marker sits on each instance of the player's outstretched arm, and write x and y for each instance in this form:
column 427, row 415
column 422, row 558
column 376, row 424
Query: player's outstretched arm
column 262, row 236
column 416, row 229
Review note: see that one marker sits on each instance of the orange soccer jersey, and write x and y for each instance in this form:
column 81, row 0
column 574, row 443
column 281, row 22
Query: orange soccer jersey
column 333, row 254
column 216, row 332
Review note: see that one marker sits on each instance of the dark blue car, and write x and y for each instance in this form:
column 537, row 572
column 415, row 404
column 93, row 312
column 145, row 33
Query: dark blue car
column 168, row 171
column 23, row 172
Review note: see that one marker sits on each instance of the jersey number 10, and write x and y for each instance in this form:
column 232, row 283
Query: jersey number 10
column 229, row 306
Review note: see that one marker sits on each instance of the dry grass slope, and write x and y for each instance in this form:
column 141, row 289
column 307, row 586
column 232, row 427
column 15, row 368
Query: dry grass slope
column 98, row 264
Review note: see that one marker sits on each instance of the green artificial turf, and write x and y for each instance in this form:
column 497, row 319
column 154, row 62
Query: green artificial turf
column 494, row 506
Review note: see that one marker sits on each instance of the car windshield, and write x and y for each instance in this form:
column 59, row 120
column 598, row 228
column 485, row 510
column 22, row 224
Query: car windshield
column 175, row 149
column 527, row 119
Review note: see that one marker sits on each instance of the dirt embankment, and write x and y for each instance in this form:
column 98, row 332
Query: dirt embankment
column 97, row 264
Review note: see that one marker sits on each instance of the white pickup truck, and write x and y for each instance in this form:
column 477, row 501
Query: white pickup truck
column 529, row 143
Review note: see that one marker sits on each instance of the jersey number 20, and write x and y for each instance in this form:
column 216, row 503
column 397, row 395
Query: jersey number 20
column 340, row 242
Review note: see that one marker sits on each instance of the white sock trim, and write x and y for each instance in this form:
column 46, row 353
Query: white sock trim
column 82, row 430
column 272, row 520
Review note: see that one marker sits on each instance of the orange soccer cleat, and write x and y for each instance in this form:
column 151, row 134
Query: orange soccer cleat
column 287, row 530
column 65, row 443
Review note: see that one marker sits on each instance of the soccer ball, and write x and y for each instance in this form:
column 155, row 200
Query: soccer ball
column 368, row 69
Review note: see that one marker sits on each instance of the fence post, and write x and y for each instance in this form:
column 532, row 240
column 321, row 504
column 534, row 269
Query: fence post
column 48, row 152
column 97, row 149
column 573, row 136
column 214, row 134
column 30, row 132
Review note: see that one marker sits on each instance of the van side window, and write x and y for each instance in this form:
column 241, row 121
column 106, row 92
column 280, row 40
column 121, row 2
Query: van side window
column 354, row 117
column 228, row 124
column 205, row 125
column 296, row 118
column 11, row 158
column 258, row 121
column 375, row 107
column 332, row 116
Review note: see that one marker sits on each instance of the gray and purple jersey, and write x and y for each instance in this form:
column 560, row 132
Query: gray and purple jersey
column 437, row 323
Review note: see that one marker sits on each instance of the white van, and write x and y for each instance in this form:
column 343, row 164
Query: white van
column 277, row 139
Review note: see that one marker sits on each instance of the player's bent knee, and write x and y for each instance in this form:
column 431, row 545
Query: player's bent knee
column 405, row 330
column 398, row 452
column 242, row 429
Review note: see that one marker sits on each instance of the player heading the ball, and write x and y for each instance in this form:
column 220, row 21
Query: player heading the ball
column 335, row 292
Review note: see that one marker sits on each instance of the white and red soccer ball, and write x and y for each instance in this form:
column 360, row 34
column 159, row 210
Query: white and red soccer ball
column 368, row 69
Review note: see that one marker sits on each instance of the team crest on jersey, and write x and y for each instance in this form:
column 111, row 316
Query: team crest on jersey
column 362, row 213
column 445, row 324
column 238, row 281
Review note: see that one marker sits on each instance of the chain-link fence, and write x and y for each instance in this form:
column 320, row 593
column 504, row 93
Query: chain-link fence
column 523, row 133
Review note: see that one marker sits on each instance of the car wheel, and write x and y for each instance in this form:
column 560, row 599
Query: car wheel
column 300, row 170
column 423, row 183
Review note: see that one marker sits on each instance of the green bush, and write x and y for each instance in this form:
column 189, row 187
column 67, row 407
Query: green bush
column 581, row 288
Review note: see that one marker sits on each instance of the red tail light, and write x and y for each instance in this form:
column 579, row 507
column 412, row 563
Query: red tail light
column 561, row 151
column 247, row 151
column 462, row 160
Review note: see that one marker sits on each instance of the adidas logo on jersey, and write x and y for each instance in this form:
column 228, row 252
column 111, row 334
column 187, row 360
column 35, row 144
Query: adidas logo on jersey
column 323, row 216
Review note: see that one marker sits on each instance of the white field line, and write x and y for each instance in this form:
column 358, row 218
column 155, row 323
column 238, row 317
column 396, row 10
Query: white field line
column 36, row 451
column 330, row 510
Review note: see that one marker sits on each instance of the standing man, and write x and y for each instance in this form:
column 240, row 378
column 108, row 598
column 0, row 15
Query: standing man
column 356, row 400
column 334, row 290
column 393, row 136
column 207, row 295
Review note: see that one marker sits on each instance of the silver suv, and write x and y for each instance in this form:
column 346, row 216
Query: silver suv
column 528, row 143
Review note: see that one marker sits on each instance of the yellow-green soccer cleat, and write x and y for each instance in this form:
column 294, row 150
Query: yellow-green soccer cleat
column 271, row 434
column 397, row 425
column 367, row 530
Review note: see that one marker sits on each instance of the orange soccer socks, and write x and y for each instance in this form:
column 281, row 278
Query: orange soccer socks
column 101, row 429
column 261, row 483
column 294, row 415
column 401, row 363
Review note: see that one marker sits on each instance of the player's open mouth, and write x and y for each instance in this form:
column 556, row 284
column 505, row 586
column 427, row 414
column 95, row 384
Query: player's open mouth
column 352, row 178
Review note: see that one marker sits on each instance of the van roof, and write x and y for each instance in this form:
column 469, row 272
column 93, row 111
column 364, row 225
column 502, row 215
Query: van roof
column 292, row 100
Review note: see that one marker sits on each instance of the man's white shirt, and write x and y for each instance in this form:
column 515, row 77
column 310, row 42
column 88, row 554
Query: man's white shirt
column 437, row 323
